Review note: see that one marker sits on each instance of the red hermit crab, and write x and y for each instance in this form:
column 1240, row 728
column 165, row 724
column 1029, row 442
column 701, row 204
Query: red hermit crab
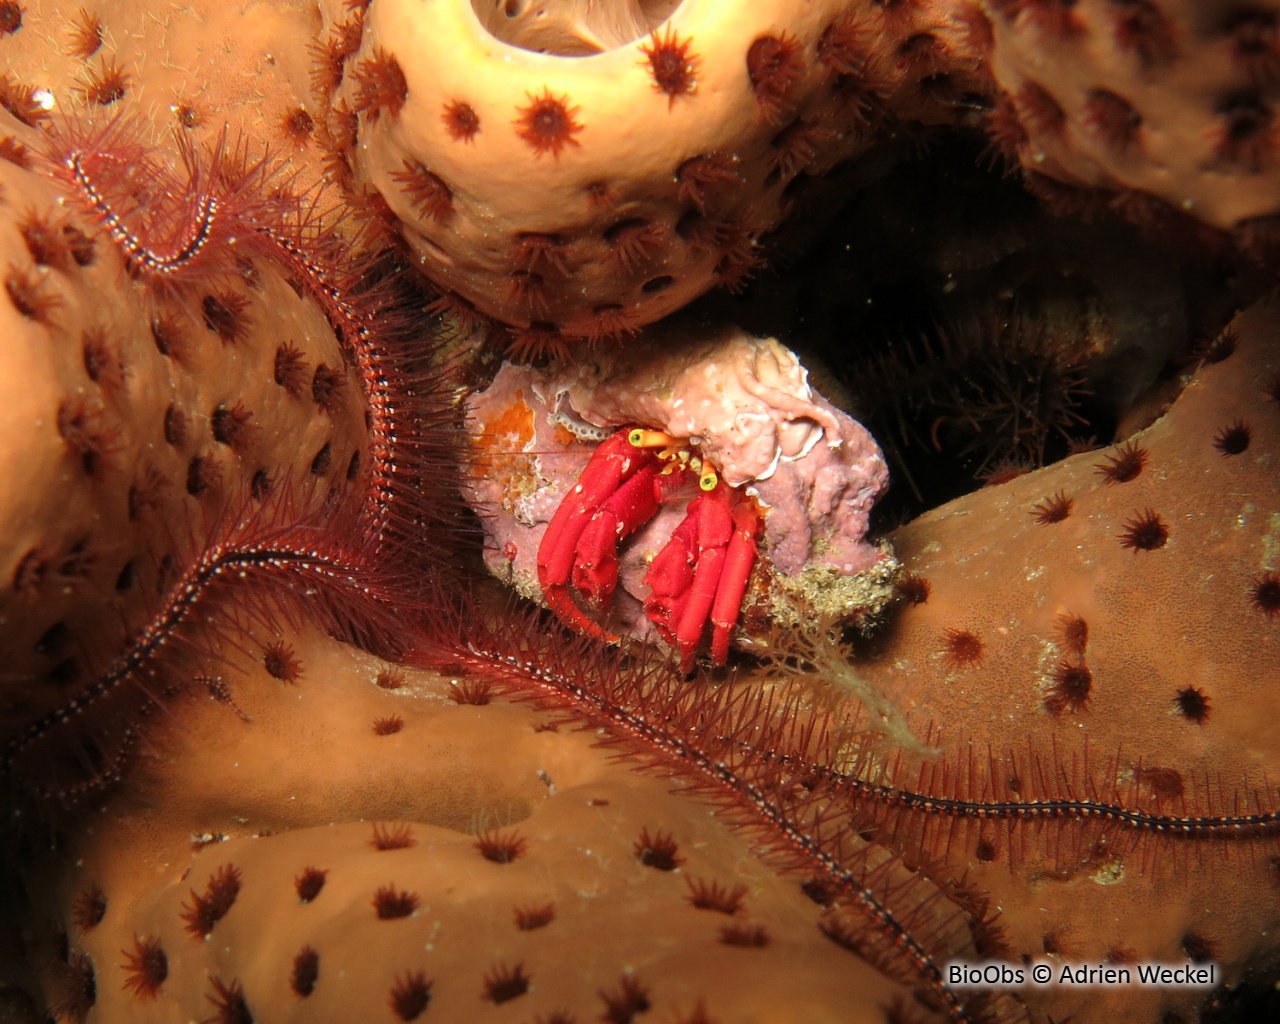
column 639, row 491
column 701, row 574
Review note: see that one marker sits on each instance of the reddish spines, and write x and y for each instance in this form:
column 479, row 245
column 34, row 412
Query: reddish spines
column 306, row 972
column 1038, row 109
column 290, row 369
column 1265, row 594
column 265, row 564
column 231, row 426
column 712, row 895
column 1246, row 135
column 1053, row 509
column 532, row 918
column 229, row 1003
column 73, row 991
column 1192, row 703
column 280, row 661
column 1140, row 27
column 105, row 84
column 390, row 903
column 798, row 145
column 330, row 55
column 56, row 244
column 84, row 35
column 659, row 850
column 389, row 679
column 609, row 321
column 381, row 87
column 548, row 123
column 226, row 314
column 297, row 124
column 184, row 230
column 921, row 55
column 913, row 588
column 774, row 65
column 208, row 908
column 745, row 936
column 388, row 725
column 526, row 289
column 1233, row 439
column 460, row 120
column 961, row 648
column 1124, row 464
column 1071, row 685
column 1255, row 44
column 410, row 996
column 146, row 966
column 31, row 295
column 14, row 152
column 21, row 101
column 206, row 220
column 1006, row 130
column 310, row 883
column 537, row 340
column 780, row 784
column 633, row 241
column 842, row 43
column 475, row 692
column 428, row 192
column 740, row 258
column 327, row 388
column 1144, row 531
column 1073, row 632
column 1112, row 119
column 89, row 908
column 89, row 436
column 672, row 63
column 534, row 249
column 500, row 847
column 625, row 1003
column 700, row 177
column 392, row 837
column 503, row 983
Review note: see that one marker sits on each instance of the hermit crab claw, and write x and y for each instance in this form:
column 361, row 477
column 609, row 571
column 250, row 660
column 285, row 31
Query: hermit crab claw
column 701, row 574
column 615, row 489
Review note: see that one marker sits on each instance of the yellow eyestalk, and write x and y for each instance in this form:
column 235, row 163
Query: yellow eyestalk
column 709, row 479
column 641, row 438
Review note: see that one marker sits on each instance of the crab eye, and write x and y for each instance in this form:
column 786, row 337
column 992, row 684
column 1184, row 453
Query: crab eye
column 708, row 480
column 641, row 438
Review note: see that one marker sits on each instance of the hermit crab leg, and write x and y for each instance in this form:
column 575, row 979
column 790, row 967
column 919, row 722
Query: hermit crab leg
column 595, row 567
column 738, row 562
column 699, row 576
column 613, row 463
